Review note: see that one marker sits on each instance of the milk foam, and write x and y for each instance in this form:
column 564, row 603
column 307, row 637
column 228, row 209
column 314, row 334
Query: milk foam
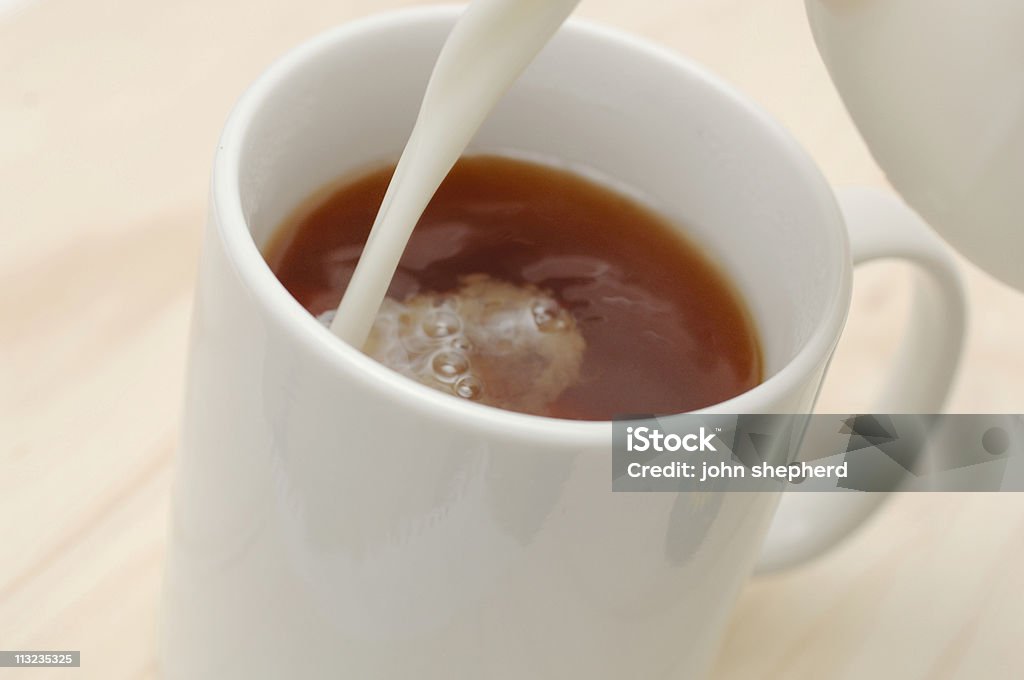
column 513, row 347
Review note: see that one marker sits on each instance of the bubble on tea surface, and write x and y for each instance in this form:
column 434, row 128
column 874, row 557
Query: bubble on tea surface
column 469, row 387
column 547, row 315
column 515, row 340
column 440, row 323
column 448, row 365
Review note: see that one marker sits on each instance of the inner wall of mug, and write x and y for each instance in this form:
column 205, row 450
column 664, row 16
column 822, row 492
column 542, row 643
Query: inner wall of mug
column 594, row 101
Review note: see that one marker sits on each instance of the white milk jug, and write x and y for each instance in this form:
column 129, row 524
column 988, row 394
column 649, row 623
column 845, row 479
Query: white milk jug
column 936, row 88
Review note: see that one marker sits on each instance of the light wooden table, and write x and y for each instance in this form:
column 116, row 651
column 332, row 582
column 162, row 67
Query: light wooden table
column 109, row 112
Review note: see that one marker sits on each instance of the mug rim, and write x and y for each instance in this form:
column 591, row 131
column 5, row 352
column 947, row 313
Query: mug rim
column 248, row 261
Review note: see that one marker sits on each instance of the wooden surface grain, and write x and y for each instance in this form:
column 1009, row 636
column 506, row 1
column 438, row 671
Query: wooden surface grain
column 109, row 112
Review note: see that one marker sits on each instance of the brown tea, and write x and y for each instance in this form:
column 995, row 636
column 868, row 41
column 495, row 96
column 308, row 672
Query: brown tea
column 589, row 304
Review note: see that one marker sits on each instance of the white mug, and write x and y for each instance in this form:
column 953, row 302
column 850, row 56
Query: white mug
column 334, row 519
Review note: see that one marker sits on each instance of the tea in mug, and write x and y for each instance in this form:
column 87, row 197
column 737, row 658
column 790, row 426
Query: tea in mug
column 534, row 289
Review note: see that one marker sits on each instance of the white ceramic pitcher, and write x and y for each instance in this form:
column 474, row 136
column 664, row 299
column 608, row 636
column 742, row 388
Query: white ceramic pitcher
column 936, row 88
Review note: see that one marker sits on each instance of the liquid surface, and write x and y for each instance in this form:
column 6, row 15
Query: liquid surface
column 663, row 330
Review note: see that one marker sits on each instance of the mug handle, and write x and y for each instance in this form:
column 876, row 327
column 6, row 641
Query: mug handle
column 881, row 226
